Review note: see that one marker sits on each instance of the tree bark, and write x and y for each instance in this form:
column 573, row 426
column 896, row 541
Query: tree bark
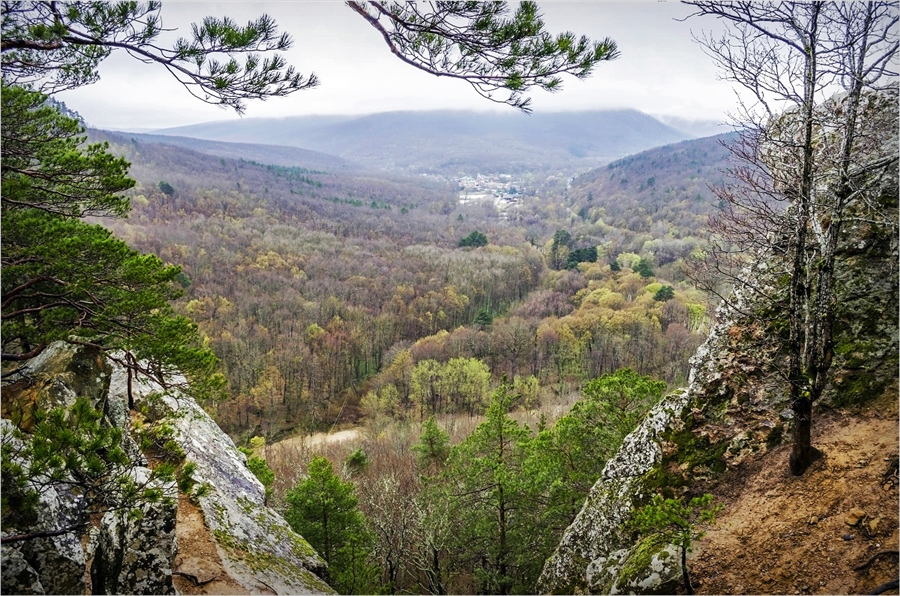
column 688, row 588
column 801, row 447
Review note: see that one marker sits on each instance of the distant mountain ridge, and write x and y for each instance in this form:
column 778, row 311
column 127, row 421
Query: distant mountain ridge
column 278, row 155
column 451, row 142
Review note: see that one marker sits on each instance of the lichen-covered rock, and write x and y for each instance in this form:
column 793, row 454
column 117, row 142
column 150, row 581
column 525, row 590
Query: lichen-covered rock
column 648, row 567
column 17, row 575
column 135, row 548
column 55, row 378
column 56, row 561
column 735, row 406
column 257, row 546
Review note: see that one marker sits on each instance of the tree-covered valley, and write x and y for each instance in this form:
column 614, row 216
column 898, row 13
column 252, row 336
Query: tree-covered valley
column 317, row 288
column 451, row 352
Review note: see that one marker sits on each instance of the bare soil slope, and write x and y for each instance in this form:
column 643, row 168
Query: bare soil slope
column 780, row 534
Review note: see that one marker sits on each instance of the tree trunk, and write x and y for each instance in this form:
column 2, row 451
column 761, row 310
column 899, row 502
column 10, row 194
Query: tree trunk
column 801, row 448
column 798, row 343
column 688, row 588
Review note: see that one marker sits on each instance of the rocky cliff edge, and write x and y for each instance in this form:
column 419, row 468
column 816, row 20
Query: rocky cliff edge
column 215, row 535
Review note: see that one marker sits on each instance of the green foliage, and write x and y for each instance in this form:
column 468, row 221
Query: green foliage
column 675, row 519
column 260, row 469
column 474, row 240
column 623, row 398
column 567, row 458
column 76, row 447
column 186, row 480
column 433, row 447
column 63, row 277
column 495, row 504
column 581, row 255
column 559, row 249
column 166, row 188
column 323, row 509
column 159, row 440
column 42, row 44
column 357, row 462
column 459, row 385
column 664, row 294
column 484, row 317
column 644, row 268
column 675, row 522
column 46, row 165
column 614, row 266
column 479, row 43
column 18, row 508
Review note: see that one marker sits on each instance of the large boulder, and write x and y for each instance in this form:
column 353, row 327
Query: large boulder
column 133, row 548
column 255, row 544
column 689, row 437
column 52, row 563
column 136, row 548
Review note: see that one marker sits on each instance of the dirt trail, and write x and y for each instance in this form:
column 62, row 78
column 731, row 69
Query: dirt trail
column 198, row 566
column 779, row 534
column 319, row 439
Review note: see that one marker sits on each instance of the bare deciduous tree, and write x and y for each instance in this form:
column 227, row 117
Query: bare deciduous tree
column 803, row 147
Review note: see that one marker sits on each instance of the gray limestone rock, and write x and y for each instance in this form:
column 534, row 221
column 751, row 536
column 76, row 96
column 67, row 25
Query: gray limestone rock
column 256, row 545
column 136, row 547
column 56, row 561
column 734, row 407
column 17, row 575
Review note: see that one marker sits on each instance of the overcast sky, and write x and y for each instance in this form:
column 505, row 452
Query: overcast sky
column 661, row 71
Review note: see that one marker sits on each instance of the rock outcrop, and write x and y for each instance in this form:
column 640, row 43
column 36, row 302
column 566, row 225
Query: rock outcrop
column 734, row 407
column 256, row 546
column 690, row 436
column 133, row 549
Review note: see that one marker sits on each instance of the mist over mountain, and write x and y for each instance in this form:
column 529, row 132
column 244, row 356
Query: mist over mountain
column 451, row 142
column 696, row 127
column 278, row 155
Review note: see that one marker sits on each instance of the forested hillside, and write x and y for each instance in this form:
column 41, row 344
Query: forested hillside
column 449, row 142
column 318, row 288
column 452, row 352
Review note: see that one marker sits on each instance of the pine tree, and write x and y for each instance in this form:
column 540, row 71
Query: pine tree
column 432, row 448
column 64, row 279
column 493, row 503
column 60, row 46
column 568, row 458
column 324, row 510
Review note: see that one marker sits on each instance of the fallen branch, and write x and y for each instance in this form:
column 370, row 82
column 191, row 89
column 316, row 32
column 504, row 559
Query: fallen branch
column 885, row 587
column 40, row 534
column 875, row 556
column 196, row 581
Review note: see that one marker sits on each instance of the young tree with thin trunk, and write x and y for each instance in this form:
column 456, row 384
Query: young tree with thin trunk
column 801, row 147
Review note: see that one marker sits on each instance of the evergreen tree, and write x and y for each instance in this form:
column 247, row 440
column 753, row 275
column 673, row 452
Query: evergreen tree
column 475, row 239
column 568, row 458
column 644, row 268
column 664, row 294
column 675, row 522
column 73, row 447
column 500, row 56
column 60, row 46
column 64, row 278
column 494, row 503
column 432, row 448
column 323, row 509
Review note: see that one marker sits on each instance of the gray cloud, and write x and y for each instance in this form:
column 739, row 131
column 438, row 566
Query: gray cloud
column 661, row 70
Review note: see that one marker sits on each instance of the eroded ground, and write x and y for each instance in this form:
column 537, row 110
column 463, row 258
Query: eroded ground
column 780, row 534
